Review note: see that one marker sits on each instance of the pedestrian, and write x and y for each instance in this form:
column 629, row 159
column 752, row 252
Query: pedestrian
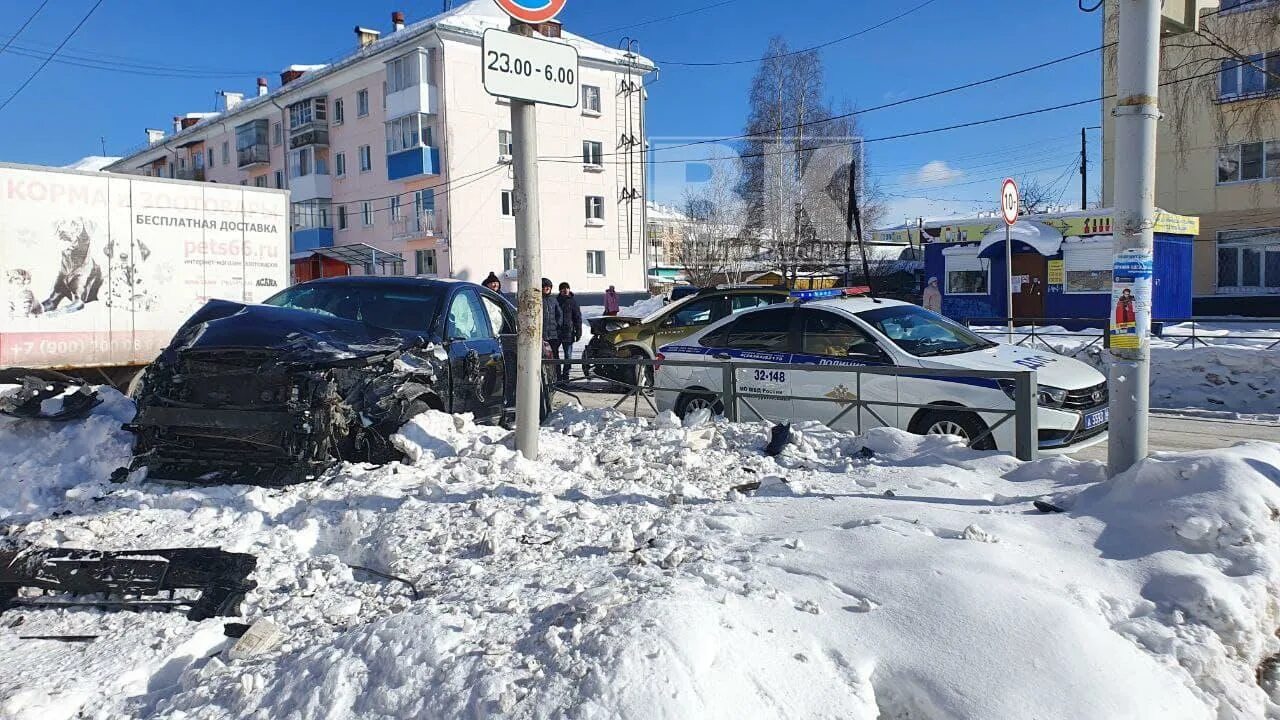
column 493, row 283
column 933, row 297
column 570, row 328
column 550, row 320
column 611, row 302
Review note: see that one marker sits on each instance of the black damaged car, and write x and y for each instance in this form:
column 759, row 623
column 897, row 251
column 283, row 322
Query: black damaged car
column 327, row 370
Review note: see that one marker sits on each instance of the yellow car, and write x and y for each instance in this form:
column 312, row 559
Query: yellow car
column 621, row 338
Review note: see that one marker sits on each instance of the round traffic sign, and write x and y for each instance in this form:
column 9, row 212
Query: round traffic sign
column 1009, row 201
column 532, row 11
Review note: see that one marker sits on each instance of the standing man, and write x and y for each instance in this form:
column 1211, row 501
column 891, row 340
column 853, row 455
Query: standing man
column 611, row 307
column 550, row 321
column 570, row 329
column 933, row 297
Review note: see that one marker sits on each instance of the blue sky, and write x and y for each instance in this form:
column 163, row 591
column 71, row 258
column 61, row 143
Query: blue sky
column 65, row 111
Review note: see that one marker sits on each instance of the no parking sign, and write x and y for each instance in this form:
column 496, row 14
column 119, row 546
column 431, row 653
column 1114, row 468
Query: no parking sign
column 532, row 11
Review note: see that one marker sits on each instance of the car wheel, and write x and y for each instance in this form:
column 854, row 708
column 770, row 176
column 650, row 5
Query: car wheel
column 962, row 424
column 690, row 402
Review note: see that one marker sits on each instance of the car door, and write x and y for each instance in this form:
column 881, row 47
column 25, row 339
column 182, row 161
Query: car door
column 828, row 339
column 475, row 358
column 502, row 321
column 759, row 337
column 689, row 319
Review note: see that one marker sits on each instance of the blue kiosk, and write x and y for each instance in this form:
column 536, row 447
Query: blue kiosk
column 1061, row 265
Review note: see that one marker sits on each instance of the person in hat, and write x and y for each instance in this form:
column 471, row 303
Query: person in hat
column 611, row 307
column 550, row 319
column 493, row 283
column 932, row 299
column 569, row 330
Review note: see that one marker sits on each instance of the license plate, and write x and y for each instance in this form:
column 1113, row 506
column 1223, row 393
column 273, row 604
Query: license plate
column 1094, row 419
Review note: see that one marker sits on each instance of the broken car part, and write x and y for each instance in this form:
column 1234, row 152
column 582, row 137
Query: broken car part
column 35, row 387
column 221, row 577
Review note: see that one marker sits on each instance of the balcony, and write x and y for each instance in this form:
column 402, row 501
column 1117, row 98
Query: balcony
column 420, row 98
column 421, row 225
column 196, row 174
column 253, row 156
column 413, row 162
column 311, row 238
column 310, row 187
column 313, row 133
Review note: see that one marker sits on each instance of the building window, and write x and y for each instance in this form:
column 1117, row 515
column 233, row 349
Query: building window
column 408, row 132
column 366, row 158
column 1249, row 161
column 306, row 162
column 395, row 208
column 505, row 148
column 1259, row 76
column 595, row 210
column 210, row 157
column 1087, row 267
column 226, row 153
column 595, row 262
column 366, row 213
column 592, row 153
column 424, row 201
column 306, row 112
column 338, row 112
column 508, row 204
column 260, row 181
column 404, row 72
column 342, row 217
column 311, row 214
column 967, row 275
column 424, row 262
column 362, row 103
column 182, row 164
column 279, row 180
column 340, row 164
column 591, row 99
column 1249, row 261
column 277, row 135
column 508, row 259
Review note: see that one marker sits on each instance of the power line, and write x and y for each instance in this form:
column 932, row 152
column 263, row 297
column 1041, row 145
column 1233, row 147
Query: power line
column 23, row 26
column 661, row 19
column 819, row 46
column 56, row 50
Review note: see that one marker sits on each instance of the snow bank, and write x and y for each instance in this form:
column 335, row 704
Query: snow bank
column 641, row 568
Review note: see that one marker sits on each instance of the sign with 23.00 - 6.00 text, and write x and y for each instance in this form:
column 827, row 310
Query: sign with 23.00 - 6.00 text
column 530, row 69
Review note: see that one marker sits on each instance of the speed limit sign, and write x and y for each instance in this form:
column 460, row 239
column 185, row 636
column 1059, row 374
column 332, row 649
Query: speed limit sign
column 1009, row 201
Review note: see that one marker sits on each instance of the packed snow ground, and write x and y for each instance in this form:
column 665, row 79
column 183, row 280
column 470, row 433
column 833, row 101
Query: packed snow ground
column 1237, row 375
column 622, row 575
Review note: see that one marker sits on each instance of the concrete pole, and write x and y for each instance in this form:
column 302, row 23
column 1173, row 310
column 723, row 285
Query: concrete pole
column 1137, row 114
column 524, row 195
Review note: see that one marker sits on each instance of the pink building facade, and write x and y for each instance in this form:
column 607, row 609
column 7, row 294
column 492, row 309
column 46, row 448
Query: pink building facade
column 398, row 161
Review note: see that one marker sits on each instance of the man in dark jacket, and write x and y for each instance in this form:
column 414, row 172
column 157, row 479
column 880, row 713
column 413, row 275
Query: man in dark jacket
column 569, row 330
column 550, row 320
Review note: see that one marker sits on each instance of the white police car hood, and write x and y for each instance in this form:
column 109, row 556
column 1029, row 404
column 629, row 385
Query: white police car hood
column 1051, row 369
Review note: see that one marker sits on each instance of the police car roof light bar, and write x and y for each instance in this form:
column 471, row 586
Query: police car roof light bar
column 828, row 293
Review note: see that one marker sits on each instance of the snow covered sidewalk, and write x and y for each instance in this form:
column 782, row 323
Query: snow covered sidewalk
column 633, row 572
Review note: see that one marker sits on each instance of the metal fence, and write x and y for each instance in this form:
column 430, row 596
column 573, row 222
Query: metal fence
column 736, row 405
column 1180, row 332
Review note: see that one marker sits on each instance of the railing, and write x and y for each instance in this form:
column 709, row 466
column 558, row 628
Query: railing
column 253, row 155
column 196, row 174
column 422, row 224
column 1179, row 332
column 732, row 400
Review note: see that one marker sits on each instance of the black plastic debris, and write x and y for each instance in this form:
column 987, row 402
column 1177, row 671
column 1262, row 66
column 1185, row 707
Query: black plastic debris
column 38, row 386
column 1046, row 507
column 128, row 580
column 779, row 436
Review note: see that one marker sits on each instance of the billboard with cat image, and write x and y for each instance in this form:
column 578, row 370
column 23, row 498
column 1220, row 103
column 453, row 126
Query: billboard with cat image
column 99, row 270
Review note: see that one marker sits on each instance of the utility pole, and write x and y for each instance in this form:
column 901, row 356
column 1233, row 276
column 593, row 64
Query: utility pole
column 524, row 195
column 1136, row 117
column 1084, row 172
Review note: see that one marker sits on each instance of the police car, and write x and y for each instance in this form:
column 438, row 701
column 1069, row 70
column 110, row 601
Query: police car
column 845, row 327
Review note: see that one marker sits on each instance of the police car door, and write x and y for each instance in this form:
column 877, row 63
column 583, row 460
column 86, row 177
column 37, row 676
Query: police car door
column 828, row 339
column 764, row 336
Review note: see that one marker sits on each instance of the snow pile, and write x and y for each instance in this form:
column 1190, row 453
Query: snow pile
column 649, row 568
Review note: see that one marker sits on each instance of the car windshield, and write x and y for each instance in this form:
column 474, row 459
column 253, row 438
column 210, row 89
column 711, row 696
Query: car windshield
column 394, row 308
column 922, row 333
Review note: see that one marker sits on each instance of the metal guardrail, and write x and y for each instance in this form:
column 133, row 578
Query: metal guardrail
column 733, row 400
column 1187, row 330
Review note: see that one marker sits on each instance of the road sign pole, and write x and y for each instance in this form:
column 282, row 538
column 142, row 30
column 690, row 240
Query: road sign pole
column 1137, row 115
column 524, row 138
column 1008, row 283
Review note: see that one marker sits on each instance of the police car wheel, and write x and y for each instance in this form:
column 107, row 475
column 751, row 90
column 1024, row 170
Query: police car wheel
column 691, row 402
column 962, row 424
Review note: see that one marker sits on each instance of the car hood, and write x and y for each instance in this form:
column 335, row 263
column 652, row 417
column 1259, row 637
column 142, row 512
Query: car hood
column 1051, row 369
column 292, row 335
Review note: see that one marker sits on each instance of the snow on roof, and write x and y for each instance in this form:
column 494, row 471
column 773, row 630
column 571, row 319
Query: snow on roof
column 309, row 68
column 92, row 162
column 1045, row 239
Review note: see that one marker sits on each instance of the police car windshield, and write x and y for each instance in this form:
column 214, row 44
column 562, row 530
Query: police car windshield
column 921, row 333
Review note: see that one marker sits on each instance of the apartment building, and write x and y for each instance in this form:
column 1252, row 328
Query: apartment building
column 1218, row 152
column 398, row 161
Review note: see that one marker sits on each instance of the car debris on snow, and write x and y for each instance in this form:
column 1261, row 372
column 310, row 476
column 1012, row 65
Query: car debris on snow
column 36, row 387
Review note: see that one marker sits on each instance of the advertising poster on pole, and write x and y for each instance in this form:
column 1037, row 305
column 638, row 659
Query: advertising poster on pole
column 1131, row 299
